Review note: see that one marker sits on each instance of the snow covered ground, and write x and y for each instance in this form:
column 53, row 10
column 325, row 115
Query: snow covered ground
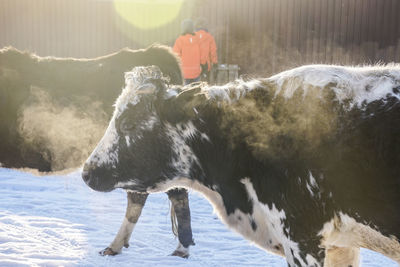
column 59, row 221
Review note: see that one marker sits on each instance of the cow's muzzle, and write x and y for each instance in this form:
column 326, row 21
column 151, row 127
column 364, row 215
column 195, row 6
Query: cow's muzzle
column 97, row 178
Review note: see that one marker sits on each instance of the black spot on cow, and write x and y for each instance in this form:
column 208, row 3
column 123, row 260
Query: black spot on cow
column 253, row 225
column 296, row 261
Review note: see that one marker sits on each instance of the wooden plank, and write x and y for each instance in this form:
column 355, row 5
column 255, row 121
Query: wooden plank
column 351, row 50
column 302, row 31
column 309, row 50
column 323, row 32
column 343, row 27
column 220, row 20
column 368, row 41
column 4, row 23
column 397, row 28
column 283, row 19
column 386, row 35
column 394, row 22
column 330, row 12
column 378, row 38
column 317, row 6
column 365, row 20
column 371, row 31
column 357, row 31
column 289, row 23
column 18, row 27
column 296, row 26
column 337, row 32
column 275, row 26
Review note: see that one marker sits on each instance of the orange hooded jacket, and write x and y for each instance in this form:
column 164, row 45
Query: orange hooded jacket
column 188, row 49
column 208, row 48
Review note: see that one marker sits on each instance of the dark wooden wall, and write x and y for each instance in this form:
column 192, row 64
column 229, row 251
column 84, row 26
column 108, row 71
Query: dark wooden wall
column 261, row 36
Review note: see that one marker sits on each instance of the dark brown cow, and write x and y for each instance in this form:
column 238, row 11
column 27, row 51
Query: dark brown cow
column 54, row 110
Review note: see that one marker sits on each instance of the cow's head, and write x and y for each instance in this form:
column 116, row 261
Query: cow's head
column 138, row 149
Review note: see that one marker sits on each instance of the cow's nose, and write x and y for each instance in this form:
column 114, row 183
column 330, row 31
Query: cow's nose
column 98, row 178
column 86, row 173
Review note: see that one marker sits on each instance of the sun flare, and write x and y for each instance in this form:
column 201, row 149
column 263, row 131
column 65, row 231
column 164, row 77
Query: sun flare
column 148, row 14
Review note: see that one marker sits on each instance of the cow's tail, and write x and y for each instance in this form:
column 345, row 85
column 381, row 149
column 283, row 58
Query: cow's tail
column 174, row 221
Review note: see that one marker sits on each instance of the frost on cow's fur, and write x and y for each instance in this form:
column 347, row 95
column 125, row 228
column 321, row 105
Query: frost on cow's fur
column 359, row 85
column 137, row 83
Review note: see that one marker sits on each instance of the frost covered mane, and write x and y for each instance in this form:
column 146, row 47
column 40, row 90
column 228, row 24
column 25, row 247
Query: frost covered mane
column 357, row 84
column 137, row 82
column 354, row 85
column 232, row 91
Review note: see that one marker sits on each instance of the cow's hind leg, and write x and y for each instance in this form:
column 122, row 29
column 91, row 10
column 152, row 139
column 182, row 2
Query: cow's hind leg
column 181, row 224
column 133, row 210
column 342, row 257
column 343, row 231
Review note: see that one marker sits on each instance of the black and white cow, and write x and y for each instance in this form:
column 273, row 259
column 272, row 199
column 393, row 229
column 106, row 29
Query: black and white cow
column 305, row 164
column 53, row 111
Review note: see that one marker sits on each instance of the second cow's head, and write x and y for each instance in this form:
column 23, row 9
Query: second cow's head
column 141, row 146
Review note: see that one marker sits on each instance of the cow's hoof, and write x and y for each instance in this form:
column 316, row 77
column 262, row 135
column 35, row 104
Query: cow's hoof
column 179, row 253
column 108, row 252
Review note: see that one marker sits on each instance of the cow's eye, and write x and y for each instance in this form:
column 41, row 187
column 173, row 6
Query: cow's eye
column 126, row 124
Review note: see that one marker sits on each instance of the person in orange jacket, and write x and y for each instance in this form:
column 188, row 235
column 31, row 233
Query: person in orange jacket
column 187, row 46
column 208, row 48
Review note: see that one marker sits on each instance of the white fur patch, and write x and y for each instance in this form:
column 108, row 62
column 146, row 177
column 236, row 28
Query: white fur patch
column 106, row 152
column 128, row 140
column 273, row 219
column 126, row 184
column 149, row 124
column 312, row 186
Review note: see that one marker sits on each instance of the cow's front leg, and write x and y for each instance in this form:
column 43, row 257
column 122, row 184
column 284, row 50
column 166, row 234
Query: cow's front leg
column 339, row 256
column 133, row 210
column 180, row 213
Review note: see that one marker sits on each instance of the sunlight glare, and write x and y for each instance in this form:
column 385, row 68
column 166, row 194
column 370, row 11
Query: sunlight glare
column 148, row 14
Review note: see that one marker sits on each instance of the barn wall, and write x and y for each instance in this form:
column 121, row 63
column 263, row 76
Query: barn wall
column 262, row 36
